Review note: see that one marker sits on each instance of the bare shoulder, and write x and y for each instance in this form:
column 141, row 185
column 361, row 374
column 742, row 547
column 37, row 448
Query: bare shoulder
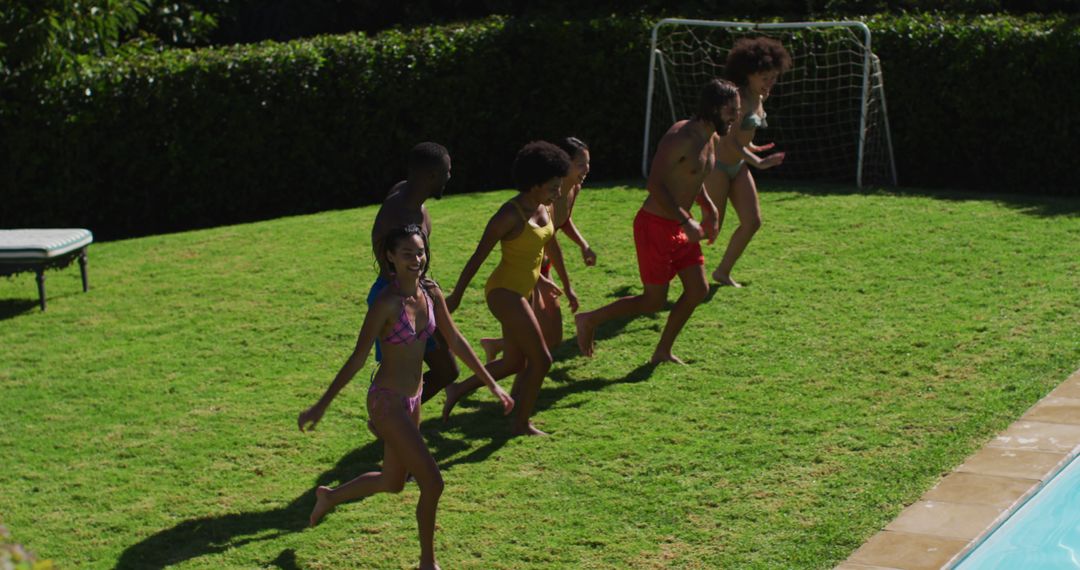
column 433, row 289
column 679, row 138
column 677, row 144
column 507, row 213
column 385, row 303
column 395, row 190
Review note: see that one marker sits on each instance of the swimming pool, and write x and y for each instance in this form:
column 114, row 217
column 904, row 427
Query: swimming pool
column 1043, row 534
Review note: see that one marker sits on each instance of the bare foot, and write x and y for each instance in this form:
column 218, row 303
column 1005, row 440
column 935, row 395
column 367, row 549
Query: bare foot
column 724, row 279
column 451, row 391
column 529, row 429
column 658, row 358
column 585, row 332
column 492, row 347
column 322, row 505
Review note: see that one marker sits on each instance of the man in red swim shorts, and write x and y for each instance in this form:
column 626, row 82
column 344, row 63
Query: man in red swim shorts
column 666, row 236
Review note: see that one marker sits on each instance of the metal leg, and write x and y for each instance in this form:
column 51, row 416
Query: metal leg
column 82, row 269
column 41, row 286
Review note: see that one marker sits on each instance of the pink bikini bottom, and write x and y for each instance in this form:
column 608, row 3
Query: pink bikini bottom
column 381, row 400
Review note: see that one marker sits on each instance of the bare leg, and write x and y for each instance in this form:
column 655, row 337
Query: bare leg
column 695, row 288
column 442, row 368
column 405, row 451
column 390, row 480
column 492, row 347
column 744, row 198
column 651, row 301
column 522, row 332
column 548, row 314
column 511, row 363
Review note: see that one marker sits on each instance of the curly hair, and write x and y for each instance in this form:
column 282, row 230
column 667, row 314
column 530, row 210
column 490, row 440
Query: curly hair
column 538, row 162
column 753, row 55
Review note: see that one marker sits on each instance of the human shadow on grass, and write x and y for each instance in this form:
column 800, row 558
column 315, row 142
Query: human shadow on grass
column 286, row 560
column 609, row 329
column 486, row 424
column 616, row 327
column 214, row 534
column 1045, row 206
column 715, row 288
column 10, row 308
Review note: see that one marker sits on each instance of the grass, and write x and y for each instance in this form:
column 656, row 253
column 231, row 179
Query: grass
column 882, row 338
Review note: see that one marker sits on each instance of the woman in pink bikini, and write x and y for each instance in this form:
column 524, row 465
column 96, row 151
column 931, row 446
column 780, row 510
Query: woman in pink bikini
column 403, row 316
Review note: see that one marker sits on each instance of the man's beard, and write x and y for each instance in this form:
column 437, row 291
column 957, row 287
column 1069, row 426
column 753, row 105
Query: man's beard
column 721, row 127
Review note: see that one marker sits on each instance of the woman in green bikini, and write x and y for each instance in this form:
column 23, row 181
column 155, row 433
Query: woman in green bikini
column 754, row 64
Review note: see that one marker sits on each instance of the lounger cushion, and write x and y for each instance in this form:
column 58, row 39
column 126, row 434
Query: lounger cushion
column 31, row 244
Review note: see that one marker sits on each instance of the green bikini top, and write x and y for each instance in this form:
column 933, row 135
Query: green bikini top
column 752, row 121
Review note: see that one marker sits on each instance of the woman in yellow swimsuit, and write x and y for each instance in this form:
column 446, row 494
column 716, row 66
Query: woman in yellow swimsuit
column 754, row 64
column 524, row 227
column 545, row 296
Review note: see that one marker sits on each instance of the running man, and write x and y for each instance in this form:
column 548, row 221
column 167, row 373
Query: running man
column 429, row 171
column 666, row 236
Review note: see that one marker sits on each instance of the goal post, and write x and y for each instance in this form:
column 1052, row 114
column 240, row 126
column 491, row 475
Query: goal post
column 827, row 112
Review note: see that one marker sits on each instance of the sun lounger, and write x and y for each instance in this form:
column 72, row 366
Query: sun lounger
column 40, row 249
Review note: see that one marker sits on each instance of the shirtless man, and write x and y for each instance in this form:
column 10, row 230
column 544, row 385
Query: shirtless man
column 429, row 171
column 665, row 235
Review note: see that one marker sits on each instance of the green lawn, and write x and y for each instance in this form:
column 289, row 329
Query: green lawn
column 880, row 340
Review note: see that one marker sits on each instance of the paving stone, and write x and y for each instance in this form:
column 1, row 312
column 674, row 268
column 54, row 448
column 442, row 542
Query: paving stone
column 1055, row 410
column 977, row 489
column 1040, row 436
column 947, row 520
column 906, row 551
column 1018, row 463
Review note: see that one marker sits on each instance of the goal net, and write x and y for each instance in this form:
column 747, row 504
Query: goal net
column 827, row 112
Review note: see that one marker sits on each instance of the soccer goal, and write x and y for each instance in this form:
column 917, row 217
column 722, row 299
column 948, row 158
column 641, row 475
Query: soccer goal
column 828, row 112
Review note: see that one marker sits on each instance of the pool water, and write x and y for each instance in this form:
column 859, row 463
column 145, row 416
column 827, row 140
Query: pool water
column 1043, row 534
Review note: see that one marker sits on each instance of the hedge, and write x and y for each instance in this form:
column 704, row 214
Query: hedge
column 243, row 21
column 193, row 138
column 984, row 103
column 196, row 138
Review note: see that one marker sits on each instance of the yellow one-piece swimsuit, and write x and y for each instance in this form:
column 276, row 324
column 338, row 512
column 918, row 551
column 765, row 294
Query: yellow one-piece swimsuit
column 519, row 268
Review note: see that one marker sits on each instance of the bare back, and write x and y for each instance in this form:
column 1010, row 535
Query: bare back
column 395, row 212
column 684, row 158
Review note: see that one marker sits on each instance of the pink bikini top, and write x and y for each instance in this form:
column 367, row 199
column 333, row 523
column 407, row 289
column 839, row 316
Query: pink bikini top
column 404, row 332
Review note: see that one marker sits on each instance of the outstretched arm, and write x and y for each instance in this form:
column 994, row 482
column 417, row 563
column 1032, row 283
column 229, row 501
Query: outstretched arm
column 571, row 231
column 555, row 253
column 379, row 313
column 756, row 161
column 498, row 226
column 461, row 348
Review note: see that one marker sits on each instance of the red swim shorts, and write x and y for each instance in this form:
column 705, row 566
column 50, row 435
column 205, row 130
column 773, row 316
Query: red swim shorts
column 662, row 248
